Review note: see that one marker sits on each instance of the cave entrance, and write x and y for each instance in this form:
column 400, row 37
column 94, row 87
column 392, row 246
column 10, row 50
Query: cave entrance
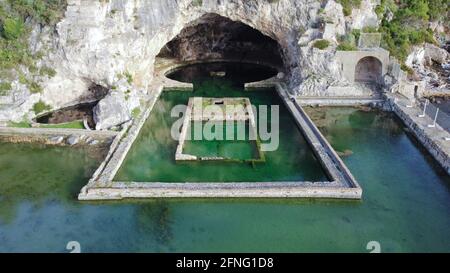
column 214, row 37
column 368, row 70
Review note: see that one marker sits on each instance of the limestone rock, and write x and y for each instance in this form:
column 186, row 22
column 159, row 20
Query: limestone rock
column 308, row 36
column 111, row 111
column 388, row 80
column 16, row 106
column 364, row 16
column 56, row 139
column 417, row 56
column 422, row 60
column 93, row 142
column 72, row 140
column 334, row 19
column 323, row 71
column 436, row 54
column 280, row 75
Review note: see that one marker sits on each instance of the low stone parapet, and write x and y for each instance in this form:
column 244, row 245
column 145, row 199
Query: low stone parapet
column 434, row 139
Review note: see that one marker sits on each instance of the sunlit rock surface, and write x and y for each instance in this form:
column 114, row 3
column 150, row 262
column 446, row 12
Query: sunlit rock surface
column 101, row 42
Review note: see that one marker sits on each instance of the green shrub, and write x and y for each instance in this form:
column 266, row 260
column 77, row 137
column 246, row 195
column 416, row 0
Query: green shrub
column 47, row 12
column 136, row 111
column 356, row 33
column 321, row 44
column 409, row 25
column 4, row 88
column 437, row 9
column 45, row 70
column 34, row 87
column 129, row 77
column 369, row 29
column 408, row 69
column 14, row 48
column 12, row 28
column 348, row 5
column 345, row 46
column 23, row 79
column 385, row 5
column 40, row 107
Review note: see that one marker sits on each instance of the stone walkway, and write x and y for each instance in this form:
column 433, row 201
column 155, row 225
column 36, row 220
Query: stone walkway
column 434, row 139
column 338, row 101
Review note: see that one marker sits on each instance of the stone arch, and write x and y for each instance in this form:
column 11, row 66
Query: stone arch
column 369, row 70
column 213, row 36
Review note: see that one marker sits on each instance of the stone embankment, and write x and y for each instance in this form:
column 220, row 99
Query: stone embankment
column 56, row 136
column 434, row 139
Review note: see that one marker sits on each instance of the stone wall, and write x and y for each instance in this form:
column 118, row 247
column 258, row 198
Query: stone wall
column 56, row 136
column 433, row 139
column 349, row 60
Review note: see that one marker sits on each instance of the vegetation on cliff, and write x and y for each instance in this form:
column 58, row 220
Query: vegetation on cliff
column 16, row 20
column 406, row 23
column 348, row 5
column 321, row 44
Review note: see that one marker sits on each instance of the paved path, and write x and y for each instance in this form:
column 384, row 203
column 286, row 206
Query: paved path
column 433, row 138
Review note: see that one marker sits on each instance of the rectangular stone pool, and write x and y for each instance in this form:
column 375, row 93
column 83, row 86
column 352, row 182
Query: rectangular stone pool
column 151, row 158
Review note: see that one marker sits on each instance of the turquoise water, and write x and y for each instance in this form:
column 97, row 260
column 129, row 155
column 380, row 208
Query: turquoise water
column 405, row 206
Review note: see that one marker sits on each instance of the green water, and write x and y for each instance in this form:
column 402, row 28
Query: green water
column 152, row 156
column 406, row 203
column 236, row 147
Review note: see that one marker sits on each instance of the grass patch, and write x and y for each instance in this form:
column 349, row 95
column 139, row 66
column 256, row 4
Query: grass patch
column 22, row 124
column 77, row 124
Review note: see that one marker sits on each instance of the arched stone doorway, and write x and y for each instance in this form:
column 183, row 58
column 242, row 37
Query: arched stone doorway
column 214, row 37
column 368, row 70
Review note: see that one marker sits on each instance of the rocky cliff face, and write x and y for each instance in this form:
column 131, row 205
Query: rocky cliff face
column 103, row 42
column 100, row 41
